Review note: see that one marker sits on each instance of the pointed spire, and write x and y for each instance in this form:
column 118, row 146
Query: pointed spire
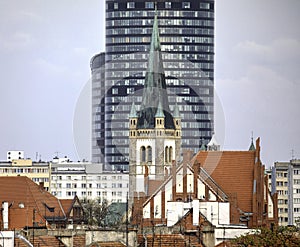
column 202, row 148
column 154, row 92
column 160, row 112
column 252, row 147
column 133, row 113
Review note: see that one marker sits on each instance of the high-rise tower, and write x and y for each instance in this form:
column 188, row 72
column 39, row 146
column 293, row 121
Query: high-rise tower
column 187, row 45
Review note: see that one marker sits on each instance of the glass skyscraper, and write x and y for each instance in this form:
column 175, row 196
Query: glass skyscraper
column 186, row 30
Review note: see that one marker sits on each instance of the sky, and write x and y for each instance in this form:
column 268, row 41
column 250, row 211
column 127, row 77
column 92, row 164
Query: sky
column 45, row 52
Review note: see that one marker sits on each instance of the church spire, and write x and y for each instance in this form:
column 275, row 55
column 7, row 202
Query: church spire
column 154, row 92
column 252, row 147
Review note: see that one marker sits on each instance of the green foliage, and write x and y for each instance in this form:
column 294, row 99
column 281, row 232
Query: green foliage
column 94, row 212
column 279, row 236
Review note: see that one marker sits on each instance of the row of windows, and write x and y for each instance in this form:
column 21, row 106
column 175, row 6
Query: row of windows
column 185, row 108
column 296, row 200
column 160, row 14
column 281, row 174
column 24, row 170
column 167, row 65
column 192, row 133
column 83, row 186
column 164, row 47
column 167, row 5
column 55, row 177
column 161, row 22
column 143, row 58
column 282, row 192
column 282, row 201
column 88, row 193
column 148, row 31
column 37, row 180
column 204, row 125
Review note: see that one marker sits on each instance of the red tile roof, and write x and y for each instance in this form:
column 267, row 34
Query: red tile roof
column 28, row 200
column 41, row 241
column 234, row 173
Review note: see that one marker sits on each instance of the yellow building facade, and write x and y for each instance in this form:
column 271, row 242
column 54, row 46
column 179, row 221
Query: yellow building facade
column 39, row 172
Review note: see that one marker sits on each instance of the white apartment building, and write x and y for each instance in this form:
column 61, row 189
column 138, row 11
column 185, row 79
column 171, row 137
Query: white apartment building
column 286, row 182
column 87, row 181
column 294, row 192
column 280, row 185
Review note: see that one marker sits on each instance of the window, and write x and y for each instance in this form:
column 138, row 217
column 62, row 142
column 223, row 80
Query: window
column 204, row 5
column 83, row 186
column 116, row 6
column 149, row 153
column 296, row 172
column 296, row 181
column 149, row 5
column 186, row 5
column 143, row 154
column 168, row 5
column 130, row 5
column 68, row 186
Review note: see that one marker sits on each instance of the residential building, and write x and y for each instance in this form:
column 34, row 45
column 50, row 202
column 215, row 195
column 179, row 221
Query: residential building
column 187, row 43
column 286, row 182
column 294, row 192
column 39, row 172
column 280, row 180
column 87, row 181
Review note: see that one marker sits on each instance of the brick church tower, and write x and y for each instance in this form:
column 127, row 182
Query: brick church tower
column 154, row 131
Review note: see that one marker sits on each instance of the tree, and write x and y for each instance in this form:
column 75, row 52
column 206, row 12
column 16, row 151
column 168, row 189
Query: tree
column 94, row 211
column 279, row 236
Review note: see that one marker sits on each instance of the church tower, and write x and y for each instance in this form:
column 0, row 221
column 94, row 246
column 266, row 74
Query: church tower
column 154, row 131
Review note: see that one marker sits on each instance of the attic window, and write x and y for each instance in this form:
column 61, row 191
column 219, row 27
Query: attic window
column 50, row 209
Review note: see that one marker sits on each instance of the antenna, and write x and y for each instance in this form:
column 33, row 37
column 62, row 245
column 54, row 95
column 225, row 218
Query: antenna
column 293, row 154
column 252, row 135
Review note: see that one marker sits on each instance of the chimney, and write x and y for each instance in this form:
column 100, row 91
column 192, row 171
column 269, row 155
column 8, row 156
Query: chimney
column 41, row 185
column 5, row 215
column 187, row 156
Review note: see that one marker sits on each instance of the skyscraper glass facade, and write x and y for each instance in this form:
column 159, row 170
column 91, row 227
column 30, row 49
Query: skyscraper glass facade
column 186, row 30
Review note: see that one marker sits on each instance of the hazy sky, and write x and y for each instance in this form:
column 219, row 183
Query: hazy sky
column 45, row 51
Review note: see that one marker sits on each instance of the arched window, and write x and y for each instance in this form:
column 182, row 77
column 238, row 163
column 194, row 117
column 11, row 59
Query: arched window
column 149, row 153
column 143, row 154
column 166, row 153
column 170, row 154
